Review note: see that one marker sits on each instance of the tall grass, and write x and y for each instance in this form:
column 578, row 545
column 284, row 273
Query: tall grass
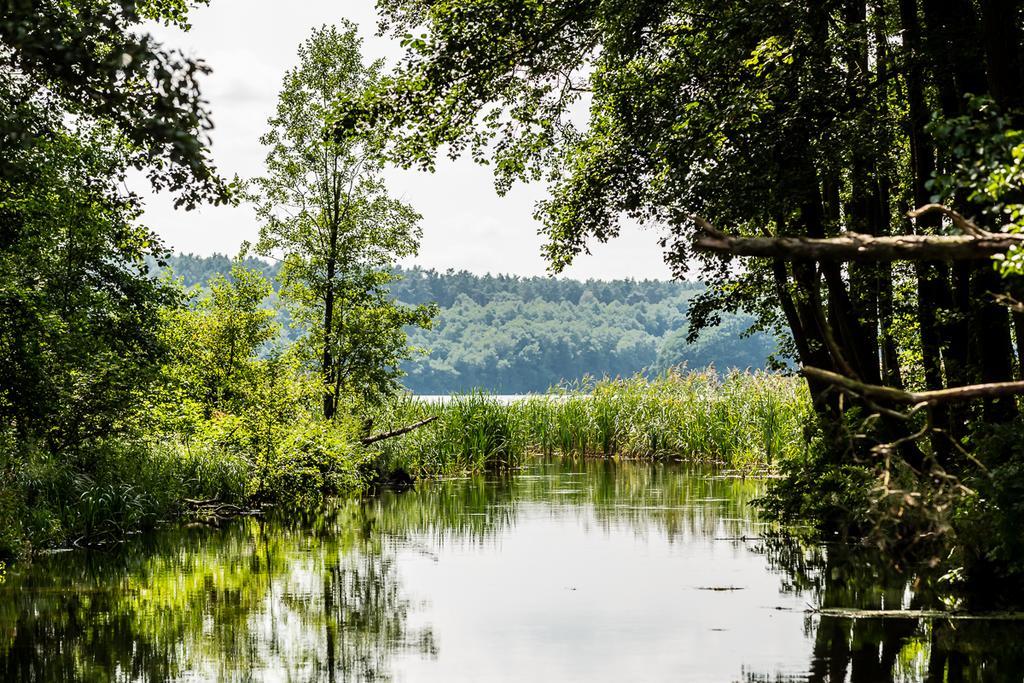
column 742, row 419
column 749, row 420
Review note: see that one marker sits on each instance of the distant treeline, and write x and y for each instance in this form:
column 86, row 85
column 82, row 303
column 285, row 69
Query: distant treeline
column 511, row 334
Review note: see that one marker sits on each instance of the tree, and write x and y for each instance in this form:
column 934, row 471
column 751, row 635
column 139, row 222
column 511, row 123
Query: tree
column 216, row 342
column 83, row 97
column 78, row 309
column 793, row 123
column 326, row 212
column 89, row 60
column 765, row 120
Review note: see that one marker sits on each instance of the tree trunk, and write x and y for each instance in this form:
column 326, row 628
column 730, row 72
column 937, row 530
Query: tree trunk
column 329, row 368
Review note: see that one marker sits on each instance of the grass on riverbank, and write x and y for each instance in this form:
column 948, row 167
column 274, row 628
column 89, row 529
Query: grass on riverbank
column 132, row 482
column 747, row 420
column 280, row 451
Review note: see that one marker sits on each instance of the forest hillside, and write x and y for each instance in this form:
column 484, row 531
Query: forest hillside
column 510, row 334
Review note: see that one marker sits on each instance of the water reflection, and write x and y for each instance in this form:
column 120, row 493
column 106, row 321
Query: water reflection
column 865, row 650
column 589, row 570
column 297, row 596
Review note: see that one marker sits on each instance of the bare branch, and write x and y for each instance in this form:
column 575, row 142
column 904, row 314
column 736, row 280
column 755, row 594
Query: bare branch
column 976, row 244
column 366, row 441
column 966, row 226
column 1011, row 303
column 854, row 246
column 915, row 398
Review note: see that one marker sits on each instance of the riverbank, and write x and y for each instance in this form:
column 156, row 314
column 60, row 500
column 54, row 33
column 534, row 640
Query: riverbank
column 240, row 462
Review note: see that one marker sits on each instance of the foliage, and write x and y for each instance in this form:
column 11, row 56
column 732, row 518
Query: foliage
column 79, row 308
column 218, row 422
column 813, row 489
column 217, row 341
column 526, row 335
column 326, row 214
column 225, row 396
column 90, row 62
column 988, row 165
column 750, row 420
column 996, row 549
column 84, row 96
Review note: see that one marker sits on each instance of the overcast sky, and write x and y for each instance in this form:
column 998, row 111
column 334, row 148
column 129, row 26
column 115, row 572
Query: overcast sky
column 250, row 44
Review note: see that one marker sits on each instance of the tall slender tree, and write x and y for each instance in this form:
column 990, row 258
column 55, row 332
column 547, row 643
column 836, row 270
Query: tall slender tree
column 326, row 212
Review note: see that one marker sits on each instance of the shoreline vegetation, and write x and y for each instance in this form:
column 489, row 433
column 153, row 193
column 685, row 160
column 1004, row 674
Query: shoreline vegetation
column 231, row 464
column 742, row 420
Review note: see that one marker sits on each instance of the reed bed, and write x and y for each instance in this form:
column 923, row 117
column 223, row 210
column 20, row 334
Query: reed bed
column 749, row 420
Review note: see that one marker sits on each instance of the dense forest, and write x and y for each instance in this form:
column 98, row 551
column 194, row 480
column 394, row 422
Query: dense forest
column 509, row 334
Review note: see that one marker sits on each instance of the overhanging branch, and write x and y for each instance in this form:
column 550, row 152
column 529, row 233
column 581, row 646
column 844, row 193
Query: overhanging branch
column 977, row 244
column 915, row 398
column 860, row 247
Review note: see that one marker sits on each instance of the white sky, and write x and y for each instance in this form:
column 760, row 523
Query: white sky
column 466, row 225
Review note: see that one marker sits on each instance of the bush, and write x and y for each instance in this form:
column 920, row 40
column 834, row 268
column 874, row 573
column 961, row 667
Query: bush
column 315, row 458
column 988, row 524
column 812, row 491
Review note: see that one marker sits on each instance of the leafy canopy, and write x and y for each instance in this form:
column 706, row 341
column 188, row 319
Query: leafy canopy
column 89, row 60
column 326, row 213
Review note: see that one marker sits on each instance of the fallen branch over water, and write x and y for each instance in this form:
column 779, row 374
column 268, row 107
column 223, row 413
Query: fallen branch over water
column 851, row 613
column 366, row 441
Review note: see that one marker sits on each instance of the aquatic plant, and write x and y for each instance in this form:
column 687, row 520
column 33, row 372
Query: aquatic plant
column 741, row 419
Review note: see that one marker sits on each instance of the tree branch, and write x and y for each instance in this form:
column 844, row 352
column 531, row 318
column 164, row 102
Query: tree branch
column 966, row 226
column 854, row 246
column 915, row 398
column 366, row 441
column 978, row 244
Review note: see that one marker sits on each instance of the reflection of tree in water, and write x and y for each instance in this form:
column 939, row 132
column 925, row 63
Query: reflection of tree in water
column 874, row 650
column 317, row 595
column 310, row 594
column 641, row 495
column 255, row 600
column 365, row 621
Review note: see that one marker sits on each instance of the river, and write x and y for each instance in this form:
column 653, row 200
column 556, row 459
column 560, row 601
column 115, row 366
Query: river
column 567, row 571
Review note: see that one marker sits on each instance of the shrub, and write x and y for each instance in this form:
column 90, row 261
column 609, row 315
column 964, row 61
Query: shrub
column 314, row 458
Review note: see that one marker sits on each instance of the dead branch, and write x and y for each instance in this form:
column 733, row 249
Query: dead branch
column 975, row 244
column 1010, row 302
column 853, row 246
column 966, row 226
column 366, row 441
column 915, row 398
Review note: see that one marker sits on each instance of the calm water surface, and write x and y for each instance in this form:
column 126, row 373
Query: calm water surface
column 569, row 571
